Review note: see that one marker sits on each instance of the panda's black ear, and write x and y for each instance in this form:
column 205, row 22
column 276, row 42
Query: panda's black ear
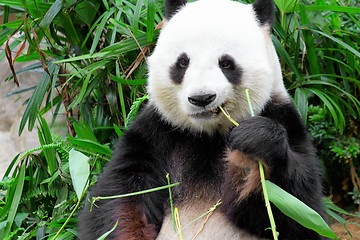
column 264, row 10
column 172, row 6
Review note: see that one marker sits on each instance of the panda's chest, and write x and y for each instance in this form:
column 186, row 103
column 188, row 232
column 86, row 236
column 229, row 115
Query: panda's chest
column 200, row 220
column 196, row 158
column 199, row 173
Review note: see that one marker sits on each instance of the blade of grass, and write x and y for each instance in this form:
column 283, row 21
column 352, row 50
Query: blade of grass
column 120, row 91
column 20, row 179
column 108, row 232
column 134, row 193
column 37, row 98
column 136, row 17
column 310, row 46
column 323, row 8
column 171, row 203
column 150, row 19
column 100, row 30
column 178, row 223
column 91, row 145
column 343, row 44
column 45, row 138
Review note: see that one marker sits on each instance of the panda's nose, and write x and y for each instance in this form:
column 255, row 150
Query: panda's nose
column 202, row 100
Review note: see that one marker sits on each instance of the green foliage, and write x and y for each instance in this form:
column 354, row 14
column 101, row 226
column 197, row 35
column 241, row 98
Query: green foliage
column 93, row 55
column 347, row 149
column 339, row 153
column 320, row 63
column 85, row 47
column 297, row 210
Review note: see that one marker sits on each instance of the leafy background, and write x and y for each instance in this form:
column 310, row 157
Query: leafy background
column 93, row 57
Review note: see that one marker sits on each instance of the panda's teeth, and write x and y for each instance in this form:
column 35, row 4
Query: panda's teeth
column 214, row 110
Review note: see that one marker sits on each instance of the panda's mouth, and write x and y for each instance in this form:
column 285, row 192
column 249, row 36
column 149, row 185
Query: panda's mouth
column 214, row 112
column 208, row 113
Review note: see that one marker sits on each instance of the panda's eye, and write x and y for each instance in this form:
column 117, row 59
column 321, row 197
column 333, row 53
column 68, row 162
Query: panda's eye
column 226, row 63
column 183, row 61
column 178, row 69
column 231, row 70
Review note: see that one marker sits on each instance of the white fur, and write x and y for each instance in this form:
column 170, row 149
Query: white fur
column 193, row 218
column 205, row 30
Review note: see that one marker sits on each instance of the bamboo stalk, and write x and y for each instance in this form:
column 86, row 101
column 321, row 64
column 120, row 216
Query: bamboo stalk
column 261, row 169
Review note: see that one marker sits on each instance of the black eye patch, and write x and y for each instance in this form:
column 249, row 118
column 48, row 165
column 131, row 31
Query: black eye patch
column 230, row 69
column 178, row 69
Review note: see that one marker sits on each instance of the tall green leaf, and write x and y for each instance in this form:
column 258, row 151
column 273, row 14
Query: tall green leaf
column 35, row 101
column 16, row 193
column 297, row 210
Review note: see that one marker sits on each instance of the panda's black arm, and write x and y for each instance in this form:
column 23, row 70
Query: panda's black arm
column 279, row 139
column 134, row 167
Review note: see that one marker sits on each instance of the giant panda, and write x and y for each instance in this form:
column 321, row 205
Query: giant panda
column 207, row 54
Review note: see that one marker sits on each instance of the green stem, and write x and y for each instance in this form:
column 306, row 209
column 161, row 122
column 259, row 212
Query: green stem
column 262, row 176
column 267, row 202
column 171, row 202
column 261, row 169
column 71, row 214
column 136, row 193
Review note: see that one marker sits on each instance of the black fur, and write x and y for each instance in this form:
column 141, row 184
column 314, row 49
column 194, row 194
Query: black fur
column 178, row 69
column 230, row 69
column 151, row 148
column 172, row 6
column 145, row 154
column 264, row 10
column 293, row 167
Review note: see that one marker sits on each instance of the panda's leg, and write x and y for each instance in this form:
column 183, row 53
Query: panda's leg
column 125, row 213
column 279, row 140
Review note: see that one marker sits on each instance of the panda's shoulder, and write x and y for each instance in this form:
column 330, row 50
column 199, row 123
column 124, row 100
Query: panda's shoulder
column 148, row 122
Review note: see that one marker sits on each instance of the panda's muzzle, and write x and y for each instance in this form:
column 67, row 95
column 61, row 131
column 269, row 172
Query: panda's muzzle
column 207, row 113
column 202, row 100
column 205, row 103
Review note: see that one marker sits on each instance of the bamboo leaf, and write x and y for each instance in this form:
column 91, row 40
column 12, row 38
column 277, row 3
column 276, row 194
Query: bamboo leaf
column 310, row 46
column 45, row 138
column 286, row 6
column 100, row 30
column 136, row 17
column 37, row 98
column 333, row 8
column 108, row 232
column 134, row 110
column 297, row 210
column 301, row 102
column 51, row 14
column 70, row 30
column 84, row 131
column 150, row 23
column 127, row 82
column 81, row 94
column 345, row 45
column 328, row 104
column 79, row 171
column 285, row 56
column 91, row 145
column 16, row 198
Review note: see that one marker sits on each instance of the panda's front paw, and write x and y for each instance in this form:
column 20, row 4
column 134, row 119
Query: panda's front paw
column 261, row 138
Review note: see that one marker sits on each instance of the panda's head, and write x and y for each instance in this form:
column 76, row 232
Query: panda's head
column 207, row 54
